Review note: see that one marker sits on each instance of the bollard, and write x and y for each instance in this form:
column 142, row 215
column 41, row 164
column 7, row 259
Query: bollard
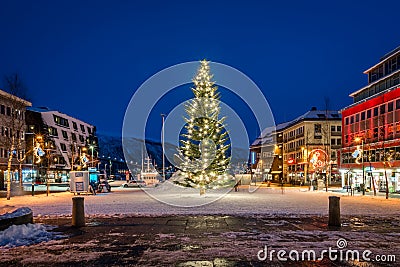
column 334, row 211
column 78, row 212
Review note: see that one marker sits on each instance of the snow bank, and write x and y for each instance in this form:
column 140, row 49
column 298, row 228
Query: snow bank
column 16, row 213
column 26, row 234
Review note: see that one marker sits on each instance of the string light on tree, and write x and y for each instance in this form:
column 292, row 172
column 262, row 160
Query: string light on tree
column 203, row 152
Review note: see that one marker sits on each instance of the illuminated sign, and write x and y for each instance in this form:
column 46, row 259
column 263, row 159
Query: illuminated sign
column 253, row 157
column 318, row 158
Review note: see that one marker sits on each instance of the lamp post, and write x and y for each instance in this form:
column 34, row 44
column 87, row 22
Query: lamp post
column 92, row 147
column 33, row 161
column 358, row 139
column 162, row 144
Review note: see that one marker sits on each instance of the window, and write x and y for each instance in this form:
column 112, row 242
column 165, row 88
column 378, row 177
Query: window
column 357, row 117
column 351, row 119
column 60, row 121
column 398, row 104
column 8, row 111
column 53, row 131
column 339, row 142
column 63, row 147
column 338, row 128
column 333, row 142
column 390, row 106
column 333, row 128
column 317, row 128
column 81, row 138
column 376, row 111
column 375, row 132
column 3, row 109
column 363, row 115
column 347, row 121
column 382, row 109
column 73, row 136
column 82, row 128
column 75, row 126
column 89, row 130
column 65, row 135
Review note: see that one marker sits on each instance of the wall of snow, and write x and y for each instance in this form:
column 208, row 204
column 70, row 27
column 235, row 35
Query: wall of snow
column 19, row 216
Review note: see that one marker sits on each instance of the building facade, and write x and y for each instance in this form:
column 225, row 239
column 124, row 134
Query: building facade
column 310, row 147
column 67, row 144
column 371, row 129
column 299, row 151
column 262, row 155
column 12, row 125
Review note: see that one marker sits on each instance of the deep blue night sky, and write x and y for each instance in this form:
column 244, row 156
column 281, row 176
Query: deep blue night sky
column 87, row 59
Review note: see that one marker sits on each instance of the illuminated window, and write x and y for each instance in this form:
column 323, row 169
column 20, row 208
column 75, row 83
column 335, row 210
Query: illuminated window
column 63, row 147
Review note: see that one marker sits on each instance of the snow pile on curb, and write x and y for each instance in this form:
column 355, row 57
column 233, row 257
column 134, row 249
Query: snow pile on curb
column 16, row 213
column 26, row 234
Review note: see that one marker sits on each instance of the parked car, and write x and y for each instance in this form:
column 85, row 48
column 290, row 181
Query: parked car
column 134, row 183
column 116, row 183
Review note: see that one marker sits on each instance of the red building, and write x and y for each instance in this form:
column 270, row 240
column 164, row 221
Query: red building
column 371, row 129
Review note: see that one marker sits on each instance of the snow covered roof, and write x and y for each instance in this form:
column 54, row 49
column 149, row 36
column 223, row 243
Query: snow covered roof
column 10, row 96
column 39, row 109
column 266, row 136
column 315, row 114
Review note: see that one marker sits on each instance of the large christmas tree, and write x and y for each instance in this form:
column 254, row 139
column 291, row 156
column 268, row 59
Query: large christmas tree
column 203, row 153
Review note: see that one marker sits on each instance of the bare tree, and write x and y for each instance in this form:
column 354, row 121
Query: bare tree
column 14, row 124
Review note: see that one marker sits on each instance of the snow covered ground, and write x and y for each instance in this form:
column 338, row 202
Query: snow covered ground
column 264, row 201
column 292, row 219
column 27, row 234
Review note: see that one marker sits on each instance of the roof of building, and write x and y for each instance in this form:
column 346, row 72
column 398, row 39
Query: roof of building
column 47, row 109
column 40, row 109
column 312, row 115
column 8, row 95
column 386, row 56
column 264, row 137
column 315, row 114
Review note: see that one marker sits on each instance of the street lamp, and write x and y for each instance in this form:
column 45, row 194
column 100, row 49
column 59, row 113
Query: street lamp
column 358, row 139
column 162, row 144
column 92, row 147
column 33, row 160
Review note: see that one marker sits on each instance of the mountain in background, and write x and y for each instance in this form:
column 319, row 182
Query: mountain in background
column 111, row 146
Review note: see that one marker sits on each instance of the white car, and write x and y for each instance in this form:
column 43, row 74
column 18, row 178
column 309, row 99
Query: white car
column 116, row 183
column 134, row 183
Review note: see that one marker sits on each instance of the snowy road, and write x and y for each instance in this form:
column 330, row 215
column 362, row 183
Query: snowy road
column 264, row 201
